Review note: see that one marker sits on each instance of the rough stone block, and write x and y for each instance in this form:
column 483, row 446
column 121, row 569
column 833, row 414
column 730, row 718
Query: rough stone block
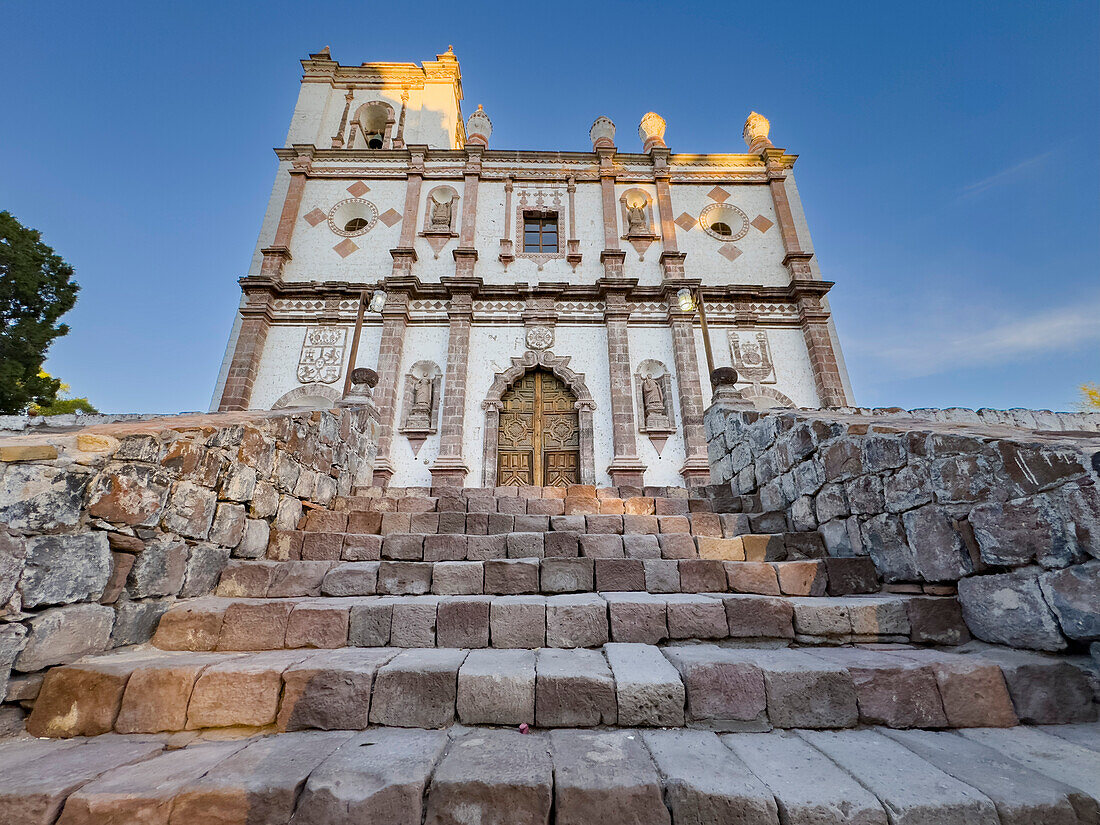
column 702, row 576
column 673, row 524
column 890, row 691
column 1045, row 690
column 404, row 578
column 561, row 545
column 637, row 617
column 524, row 545
column 750, row 616
column 641, row 525
column 81, row 699
column 640, row 546
column 677, row 546
column 619, row 574
column 695, row 617
column 240, row 691
column 1009, row 609
column 370, row 623
column 482, row 548
column 791, row 676
column 973, row 691
column 576, row 621
column 417, row 689
column 497, row 687
column 493, row 778
column 255, row 625
column 194, row 625
column 457, row 578
column 378, row 776
column 159, row 570
column 508, row 577
column 566, row 575
column 403, row 547
column 298, row 578
column 648, row 688
column 574, row 688
column 601, row 546
column 801, row 578
column 463, row 621
column 66, row 569
column 318, row 624
column 752, row 577
column 722, row 686
column 661, row 575
column 63, row 634
column 331, row 690
column 850, row 575
column 720, row 549
column 517, row 622
column 446, row 547
column 413, row 622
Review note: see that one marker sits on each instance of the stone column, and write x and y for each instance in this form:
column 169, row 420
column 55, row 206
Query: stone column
column 449, row 469
column 626, row 469
column 696, row 469
column 813, row 314
column 395, row 320
column 251, row 337
column 256, row 313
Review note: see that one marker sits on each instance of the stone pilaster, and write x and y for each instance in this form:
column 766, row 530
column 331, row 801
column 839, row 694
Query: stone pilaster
column 696, row 469
column 449, row 469
column 255, row 322
column 395, row 320
column 812, row 313
column 276, row 255
column 625, row 468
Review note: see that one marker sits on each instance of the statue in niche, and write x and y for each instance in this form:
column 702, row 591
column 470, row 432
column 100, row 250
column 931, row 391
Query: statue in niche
column 636, row 223
column 653, row 404
column 420, row 416
column 441, row 216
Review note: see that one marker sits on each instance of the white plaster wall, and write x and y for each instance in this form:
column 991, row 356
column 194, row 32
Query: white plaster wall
column 278, row 373
column 422, row 343
column 312, row 253
column 491, row 351
column 271, row 216
column 308, row 120
column 761, row 259
column 793, row 375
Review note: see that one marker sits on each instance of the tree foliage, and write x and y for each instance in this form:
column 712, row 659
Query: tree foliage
column 36, row 289
column 1090, row 397
column 63, row 404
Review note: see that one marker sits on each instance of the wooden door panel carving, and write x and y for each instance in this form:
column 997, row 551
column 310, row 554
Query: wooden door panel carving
column 539, row 435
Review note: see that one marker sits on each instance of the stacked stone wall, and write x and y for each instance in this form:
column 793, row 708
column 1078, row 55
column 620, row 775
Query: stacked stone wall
column 103, row 528
column 1005, row 505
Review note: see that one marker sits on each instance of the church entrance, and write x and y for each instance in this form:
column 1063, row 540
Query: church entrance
column 539, row 436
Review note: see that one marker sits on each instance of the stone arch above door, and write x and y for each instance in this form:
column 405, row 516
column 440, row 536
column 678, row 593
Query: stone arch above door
column 313, row 396
column 558, row 366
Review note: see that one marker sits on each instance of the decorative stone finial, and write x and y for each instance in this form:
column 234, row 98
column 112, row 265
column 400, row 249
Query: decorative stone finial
column 360, row 393
column 652, row 131
column 602, row 133
column 368, row 377
column 479, row 127
column 723, row 381
column 755, row 132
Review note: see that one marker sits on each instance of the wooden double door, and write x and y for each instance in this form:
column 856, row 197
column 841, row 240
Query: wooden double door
column 539, row 436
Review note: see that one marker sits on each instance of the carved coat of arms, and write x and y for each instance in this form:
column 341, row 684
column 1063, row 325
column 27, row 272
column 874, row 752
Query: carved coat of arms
column 322, row 355
column 752, row 358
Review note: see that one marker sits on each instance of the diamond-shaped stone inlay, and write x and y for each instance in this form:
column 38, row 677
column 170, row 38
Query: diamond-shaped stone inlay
column 345, row 247
column 390, row 217
column 718, row 194
column 685, row 221
column 730, row 251
column 315, row 217
column 762, row 223
column 358, row 189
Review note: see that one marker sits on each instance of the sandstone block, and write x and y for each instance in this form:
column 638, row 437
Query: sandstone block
column 417, row 688
column 158, row 691
column 752, row 577
column 973, row 691
column 497, row 687
column 370, row 622
column 480, row 548
column 604, row 777
column 458, row 578
column 403, row 547
column 639, row 546
column 695, row 617
column 721, row 685
column 641, row 525
column 518, row 622
column 561, row 545
column 791, row 676
column 702, row 576
column 463, row 621
column 890, row 691
column 574, row 688
column 801, row 578
column 510, row 577
column 751, row 616
column 255, row 625
column 677, row 546
column 318, row 624
column 576, row 621
column 331, row 690
column 240, row 691
column 322, row 546
column 661, row 575
column 414, row 621
column 648, row 689
column 721, row 549
column 637, row 617
column 566, row 575
column 194, row 625
column 524, row 545
column 81, row 699
column 615, row 574
column 354, row 578
column 850, row 575
column 447, row 547
column 404, row 578
column 361, row 547
column 601, row 546
column 298, row 578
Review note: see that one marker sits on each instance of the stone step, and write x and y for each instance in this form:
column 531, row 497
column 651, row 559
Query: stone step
column 565, row 620
column 716, row 525
column 618, row 684
column 605, row 542
column 562, row 777
column 518, row 575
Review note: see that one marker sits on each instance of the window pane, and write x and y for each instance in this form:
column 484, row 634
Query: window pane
column 550, row 246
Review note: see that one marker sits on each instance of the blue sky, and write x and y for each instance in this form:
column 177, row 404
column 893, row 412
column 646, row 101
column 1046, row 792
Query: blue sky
column 949, row 165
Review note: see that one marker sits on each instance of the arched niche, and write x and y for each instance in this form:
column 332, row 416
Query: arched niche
column 372, row 126
column 309, row 396
column 559, row 366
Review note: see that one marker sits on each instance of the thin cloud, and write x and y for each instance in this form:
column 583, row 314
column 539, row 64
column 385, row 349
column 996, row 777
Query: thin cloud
column 972, row 189
column 1055, row 330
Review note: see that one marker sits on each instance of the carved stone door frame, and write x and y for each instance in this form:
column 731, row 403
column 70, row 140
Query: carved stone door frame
column 558, row 365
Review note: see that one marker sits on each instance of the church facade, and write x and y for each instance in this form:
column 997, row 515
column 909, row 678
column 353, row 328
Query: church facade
column 534, row 317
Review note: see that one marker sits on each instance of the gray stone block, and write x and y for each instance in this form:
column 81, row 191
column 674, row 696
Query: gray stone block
column 723, row 687
column 566, row 575
column 404, row 578
column 414, row 621
column 647, row 687
column 517, row 622
column 1009, row 609
column 458, row 578
column 661, row 575
column 354, row 578
column 576, row 621
column 330, row 690
column 480, row 548
column 66, row 569
column 598, row 546
column 705, row 783
column 574, row 688
column 493, row 778
column 637, row 617
column 508, row 577
column 804, row 692
column 63, row 634
column 417, row 689
column 369, row 623
column 605, row 777
column 446, row 547
column 497, row 687
column 910, row 788
column 462, row 621
column 692, row 616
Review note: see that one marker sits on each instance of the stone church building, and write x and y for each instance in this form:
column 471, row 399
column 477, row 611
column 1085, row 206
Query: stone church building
column 534, row 317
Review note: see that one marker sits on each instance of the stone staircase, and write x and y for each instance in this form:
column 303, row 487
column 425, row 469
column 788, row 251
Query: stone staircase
column 518, row 655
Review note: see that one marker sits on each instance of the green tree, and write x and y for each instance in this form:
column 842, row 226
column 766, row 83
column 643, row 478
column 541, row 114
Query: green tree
column 36, row 289
column 63, row 404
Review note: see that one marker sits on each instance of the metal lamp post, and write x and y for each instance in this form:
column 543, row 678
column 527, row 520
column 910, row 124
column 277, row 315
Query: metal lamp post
column 374, row 304
column 689, row 302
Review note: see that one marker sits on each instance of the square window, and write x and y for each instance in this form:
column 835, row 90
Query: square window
column 540, row 232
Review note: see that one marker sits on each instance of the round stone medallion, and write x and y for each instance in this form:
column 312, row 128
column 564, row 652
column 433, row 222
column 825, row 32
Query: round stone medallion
column 540, row 337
